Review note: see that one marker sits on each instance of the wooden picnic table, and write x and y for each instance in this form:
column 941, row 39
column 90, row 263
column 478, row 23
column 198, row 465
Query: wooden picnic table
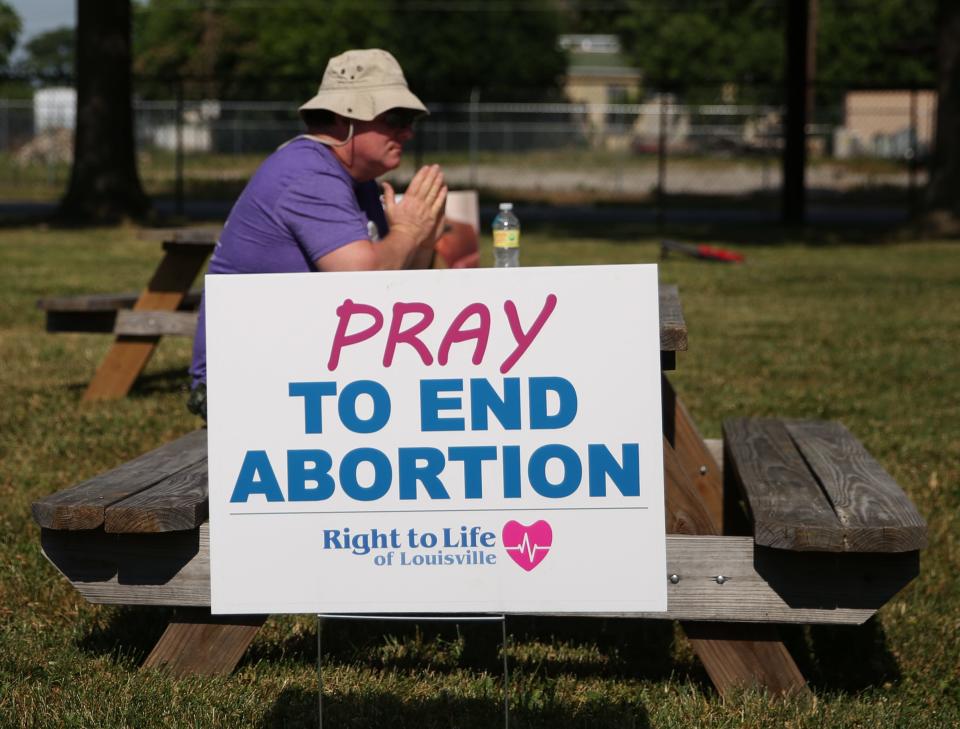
column 829, row 537
column 166, row 307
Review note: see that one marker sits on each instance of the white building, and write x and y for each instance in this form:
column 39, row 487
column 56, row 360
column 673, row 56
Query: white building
column 54, row 108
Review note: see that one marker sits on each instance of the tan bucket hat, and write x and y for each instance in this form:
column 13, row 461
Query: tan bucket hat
column 361, row 84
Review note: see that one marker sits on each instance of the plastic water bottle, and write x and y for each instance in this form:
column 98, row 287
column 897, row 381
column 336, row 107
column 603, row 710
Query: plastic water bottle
column 506, row 238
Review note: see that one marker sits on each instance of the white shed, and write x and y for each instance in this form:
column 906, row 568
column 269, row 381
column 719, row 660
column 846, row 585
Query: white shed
column 54, row 108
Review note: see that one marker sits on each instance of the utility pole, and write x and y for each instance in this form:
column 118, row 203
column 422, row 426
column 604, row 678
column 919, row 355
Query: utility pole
column 793, row 206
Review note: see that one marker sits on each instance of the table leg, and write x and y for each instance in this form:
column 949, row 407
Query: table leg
column 198, row 643
column 735, row 655
column 128, row 355
column 682, row 434
column 745, row 654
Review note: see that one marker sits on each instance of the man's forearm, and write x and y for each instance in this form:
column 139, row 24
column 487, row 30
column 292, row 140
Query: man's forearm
column 423, row 258
column 398, row 250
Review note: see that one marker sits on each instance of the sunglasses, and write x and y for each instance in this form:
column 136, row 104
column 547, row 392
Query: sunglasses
column 398, row 119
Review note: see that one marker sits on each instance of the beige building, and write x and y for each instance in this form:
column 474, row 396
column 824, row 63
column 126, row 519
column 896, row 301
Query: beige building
column 878, row 123
column 598, row 74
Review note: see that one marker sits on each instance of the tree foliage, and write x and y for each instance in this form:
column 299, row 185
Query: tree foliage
column 50, row 55
column 888, row 43
column 507, row 49
column 686, row 45
column 691, row 44
column 10, row 27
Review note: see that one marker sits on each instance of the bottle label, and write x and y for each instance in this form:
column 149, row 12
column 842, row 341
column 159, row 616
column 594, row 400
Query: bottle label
column 506, row 239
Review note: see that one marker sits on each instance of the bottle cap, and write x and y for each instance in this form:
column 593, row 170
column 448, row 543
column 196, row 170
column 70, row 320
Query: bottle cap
column 506, row 206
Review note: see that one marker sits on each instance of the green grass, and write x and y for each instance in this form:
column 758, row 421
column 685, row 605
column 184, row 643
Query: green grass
column 867, row 334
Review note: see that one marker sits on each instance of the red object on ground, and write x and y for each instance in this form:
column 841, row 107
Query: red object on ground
column 719, row 254
column 701, row 251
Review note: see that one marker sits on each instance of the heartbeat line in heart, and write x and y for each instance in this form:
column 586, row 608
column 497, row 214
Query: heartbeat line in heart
column 527, row 548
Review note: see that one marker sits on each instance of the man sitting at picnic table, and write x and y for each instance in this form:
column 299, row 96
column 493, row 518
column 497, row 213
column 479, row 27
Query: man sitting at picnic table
column 314, row 204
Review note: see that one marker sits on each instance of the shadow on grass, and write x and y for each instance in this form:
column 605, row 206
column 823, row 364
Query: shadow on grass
column 844, row 658
column 126, row 634
column 733, row 233
column 547, row 646
column 160, row 383
column 857, row 217
column 145, row 386
column 607, row 647
column 867, row 217
column 367, row 706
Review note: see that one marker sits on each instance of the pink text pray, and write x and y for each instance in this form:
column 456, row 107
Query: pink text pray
column 420, row 315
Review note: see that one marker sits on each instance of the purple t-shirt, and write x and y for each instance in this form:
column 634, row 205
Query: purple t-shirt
column 300, row 205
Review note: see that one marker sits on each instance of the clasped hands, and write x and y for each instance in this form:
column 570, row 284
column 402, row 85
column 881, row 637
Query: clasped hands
column 419, row 215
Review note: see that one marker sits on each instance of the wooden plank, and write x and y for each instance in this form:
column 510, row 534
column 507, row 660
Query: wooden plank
column 107, row 302
column 176, row 503
column 737, row 656
column 789, row 509
column 172, row 568
column 199, row 234
column 128, row 356
column 875, row 513
column 96, row 314
column 715, row 446
column 88, row 322
column 120, row 368
column 673, row 327
column 730, row 664
column 159, row 323
column 89, row 302
column 693, row 454
column 189, row 246
column 761, row 585
column 685, row 512
column 83, row 506
column 196, row 643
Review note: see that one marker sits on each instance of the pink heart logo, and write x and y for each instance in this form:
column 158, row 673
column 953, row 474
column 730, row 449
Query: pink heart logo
column 527, row 545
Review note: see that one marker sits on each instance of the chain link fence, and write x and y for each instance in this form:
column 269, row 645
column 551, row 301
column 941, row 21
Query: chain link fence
column 866, row 147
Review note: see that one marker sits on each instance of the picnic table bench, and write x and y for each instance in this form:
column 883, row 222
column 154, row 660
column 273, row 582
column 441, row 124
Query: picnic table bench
column 832, row 538
column 165, row 307
column 107, row 313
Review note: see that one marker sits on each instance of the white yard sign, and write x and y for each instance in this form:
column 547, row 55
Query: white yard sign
column 452, row 441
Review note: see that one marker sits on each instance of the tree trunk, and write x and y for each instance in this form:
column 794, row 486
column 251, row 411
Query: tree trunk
column 943, row 191
column 104, row 185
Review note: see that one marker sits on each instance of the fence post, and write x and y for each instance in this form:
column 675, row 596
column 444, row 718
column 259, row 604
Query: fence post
column 662, row 160
column 178, row 182
column 914, row 148
column 793, row 203
column 5, row 126
column 474, row 134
